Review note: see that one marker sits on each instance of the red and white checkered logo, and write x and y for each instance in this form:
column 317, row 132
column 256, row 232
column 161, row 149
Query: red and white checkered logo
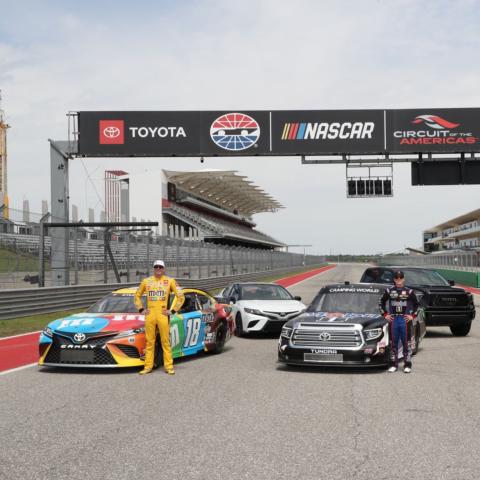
column 112, row 132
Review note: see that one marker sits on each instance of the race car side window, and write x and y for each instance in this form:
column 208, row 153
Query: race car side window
column 190, row 304
column 205, row 302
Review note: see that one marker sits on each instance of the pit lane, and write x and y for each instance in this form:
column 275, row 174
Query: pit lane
column 242, row 415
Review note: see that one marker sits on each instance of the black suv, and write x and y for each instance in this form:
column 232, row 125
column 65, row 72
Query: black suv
column 443, row 304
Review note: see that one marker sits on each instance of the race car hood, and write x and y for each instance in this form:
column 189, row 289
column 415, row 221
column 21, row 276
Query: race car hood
column 368, row 320
column 98, row 322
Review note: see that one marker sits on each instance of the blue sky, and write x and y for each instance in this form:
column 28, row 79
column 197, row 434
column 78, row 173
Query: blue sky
column 59, row 56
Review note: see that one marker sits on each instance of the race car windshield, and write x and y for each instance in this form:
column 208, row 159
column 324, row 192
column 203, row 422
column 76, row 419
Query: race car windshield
column 264, row 292
column 424, row 277
column 345, row 302
column 115, row 304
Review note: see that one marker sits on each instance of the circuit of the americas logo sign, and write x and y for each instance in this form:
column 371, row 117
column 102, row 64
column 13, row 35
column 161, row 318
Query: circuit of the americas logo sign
column 327, row 131
column 235, row 132
column 435, row 130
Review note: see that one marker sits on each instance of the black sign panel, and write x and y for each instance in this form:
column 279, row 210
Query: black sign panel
column 302, row 132
column 328, row 132
column 446, row 172
column 446, row 130
column 173, row 133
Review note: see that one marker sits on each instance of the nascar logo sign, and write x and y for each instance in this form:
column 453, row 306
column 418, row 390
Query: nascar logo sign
column 235, row 132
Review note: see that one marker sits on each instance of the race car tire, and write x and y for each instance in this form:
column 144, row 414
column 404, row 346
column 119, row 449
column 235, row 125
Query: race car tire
column 220, row 337
column 461, row 330
column 239, row 325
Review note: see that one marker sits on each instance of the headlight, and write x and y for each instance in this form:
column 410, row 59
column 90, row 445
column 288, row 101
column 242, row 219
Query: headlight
column 253, row 311
column 47, row 331
column 287, row 332
column 129, row 333
column 373, row 333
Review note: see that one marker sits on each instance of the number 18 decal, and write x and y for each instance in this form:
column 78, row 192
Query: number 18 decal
column 193, row 332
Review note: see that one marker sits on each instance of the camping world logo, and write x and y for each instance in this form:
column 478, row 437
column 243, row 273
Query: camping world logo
column 434, row 121
column 235, row 131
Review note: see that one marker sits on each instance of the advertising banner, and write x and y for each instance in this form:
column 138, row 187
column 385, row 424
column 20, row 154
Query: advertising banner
column 280, row 133
column 158, row 134
column 445, row 130
column 320, row 132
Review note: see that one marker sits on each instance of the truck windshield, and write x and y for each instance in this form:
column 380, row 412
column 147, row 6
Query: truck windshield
column 345, row 302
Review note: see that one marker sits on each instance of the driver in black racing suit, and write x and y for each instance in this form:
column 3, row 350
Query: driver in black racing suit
column 401, row 310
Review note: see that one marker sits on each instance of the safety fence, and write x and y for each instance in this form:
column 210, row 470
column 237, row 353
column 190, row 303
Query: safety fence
column 468, row 261
column 15, row 303
column 132, row 258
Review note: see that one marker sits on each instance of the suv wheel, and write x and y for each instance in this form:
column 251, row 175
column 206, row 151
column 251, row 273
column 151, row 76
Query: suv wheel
column 461, row 330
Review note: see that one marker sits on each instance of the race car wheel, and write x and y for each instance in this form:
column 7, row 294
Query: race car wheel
column 220, row 337
column 239, row 326
column 461, row 330
column 157, row 353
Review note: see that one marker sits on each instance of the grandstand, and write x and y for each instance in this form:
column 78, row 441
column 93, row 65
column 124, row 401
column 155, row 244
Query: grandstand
column 207, row 228
column 216, row 206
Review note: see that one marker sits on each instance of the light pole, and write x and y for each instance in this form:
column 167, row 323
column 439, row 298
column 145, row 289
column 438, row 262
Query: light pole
column 304, row 246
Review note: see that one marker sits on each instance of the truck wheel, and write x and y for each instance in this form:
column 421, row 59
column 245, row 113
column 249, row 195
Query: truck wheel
column 461, row 330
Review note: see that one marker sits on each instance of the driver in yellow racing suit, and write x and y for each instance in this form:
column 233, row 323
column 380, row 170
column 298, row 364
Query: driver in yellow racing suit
column 158, row 288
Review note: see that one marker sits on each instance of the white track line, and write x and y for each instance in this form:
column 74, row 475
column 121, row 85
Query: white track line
column 18, row 368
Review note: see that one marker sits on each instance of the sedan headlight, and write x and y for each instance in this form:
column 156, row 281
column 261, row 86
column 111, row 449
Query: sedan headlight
column 286, row 332
column 47, row 331
column 373, row 333
column 254, row 311
column 128, row 333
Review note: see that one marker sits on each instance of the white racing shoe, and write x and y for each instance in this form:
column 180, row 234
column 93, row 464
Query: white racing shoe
column 392, row 369
column 407, row 369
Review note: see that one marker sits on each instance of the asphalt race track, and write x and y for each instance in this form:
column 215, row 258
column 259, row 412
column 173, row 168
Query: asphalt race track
column 240, row 415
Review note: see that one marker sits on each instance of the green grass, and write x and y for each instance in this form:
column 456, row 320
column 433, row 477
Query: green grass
column 16, row 326
column 20, row 261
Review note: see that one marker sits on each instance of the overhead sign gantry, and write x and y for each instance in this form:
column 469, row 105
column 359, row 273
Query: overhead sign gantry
column 443, row 145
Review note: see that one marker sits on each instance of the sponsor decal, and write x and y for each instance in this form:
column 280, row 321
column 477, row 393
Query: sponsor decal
column 235, row 132
column 324, row 351
column 353, row 290
column 112, row 132
column 435, row 130
column 328, row 131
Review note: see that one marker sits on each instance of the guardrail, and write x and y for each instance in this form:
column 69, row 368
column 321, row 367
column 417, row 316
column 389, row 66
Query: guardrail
column 15, row 303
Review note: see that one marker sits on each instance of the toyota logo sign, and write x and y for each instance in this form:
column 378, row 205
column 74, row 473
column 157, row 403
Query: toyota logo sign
column 111, row 132
column 79, row 337
column 325, row 336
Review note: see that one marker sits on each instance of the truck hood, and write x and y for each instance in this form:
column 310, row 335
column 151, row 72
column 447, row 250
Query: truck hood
column 370, row 320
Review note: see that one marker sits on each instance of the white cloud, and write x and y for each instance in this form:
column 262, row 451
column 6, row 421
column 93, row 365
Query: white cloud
column 244, row 55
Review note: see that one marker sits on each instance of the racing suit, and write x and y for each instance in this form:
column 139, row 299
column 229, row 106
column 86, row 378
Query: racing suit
column 158, row 292
column 401, row 301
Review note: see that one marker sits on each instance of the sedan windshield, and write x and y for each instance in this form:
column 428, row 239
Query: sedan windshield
column 264, row 292
column 424, row 277
column 115, row 304
column 346, row 303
